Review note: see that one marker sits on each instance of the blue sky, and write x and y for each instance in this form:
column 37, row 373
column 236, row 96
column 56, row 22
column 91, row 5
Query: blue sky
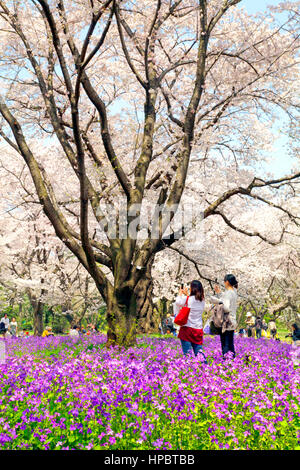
column 280, row 162
column 253, row 6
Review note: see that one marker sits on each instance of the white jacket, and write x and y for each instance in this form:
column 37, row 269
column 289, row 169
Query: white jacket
column 197, row 308
column 229, row 300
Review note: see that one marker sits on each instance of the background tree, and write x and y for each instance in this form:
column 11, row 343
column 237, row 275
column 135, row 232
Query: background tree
column 35, row 264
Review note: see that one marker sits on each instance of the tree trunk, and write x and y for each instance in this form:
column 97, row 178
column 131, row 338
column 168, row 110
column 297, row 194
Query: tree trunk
column 38, row 308
column 147, row 315
column 67, row 307
column 240, row 316
column 82, row 315
column 121, row 318
column 132, row 313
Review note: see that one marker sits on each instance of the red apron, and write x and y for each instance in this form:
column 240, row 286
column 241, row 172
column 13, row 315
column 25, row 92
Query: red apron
column 193, row 335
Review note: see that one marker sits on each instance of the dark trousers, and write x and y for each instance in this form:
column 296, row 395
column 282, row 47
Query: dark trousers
column 227, row 342
column 258, row 332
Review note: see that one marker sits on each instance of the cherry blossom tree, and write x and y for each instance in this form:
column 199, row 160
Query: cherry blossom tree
column 48, row 276
column 33, row 260
column 133, row 102
column 268, row 271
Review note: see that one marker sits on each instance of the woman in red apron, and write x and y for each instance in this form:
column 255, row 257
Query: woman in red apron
column 191, row 334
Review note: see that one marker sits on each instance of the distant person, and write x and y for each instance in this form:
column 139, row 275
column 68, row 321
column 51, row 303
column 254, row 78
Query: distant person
column 250, row 324
column 2, row 329
column 295, row 334
column 258, row 326
column 164, row 325
column 47, row 332
column 74, row 331
column 191, row 334
column 169, row 324
column 23, row 333
column 229, row 300
column 273, row 329
column 13, row 328
column 4, row 325
column 242, row 332
column 50, row 331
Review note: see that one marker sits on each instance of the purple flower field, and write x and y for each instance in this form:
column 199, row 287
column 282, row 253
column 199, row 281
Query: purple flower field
column 64, row 393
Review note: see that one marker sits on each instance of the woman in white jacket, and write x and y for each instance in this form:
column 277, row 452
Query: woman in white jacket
column 229, row 300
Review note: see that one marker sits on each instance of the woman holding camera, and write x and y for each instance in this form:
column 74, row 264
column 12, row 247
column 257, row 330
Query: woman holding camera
column 191, row 334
